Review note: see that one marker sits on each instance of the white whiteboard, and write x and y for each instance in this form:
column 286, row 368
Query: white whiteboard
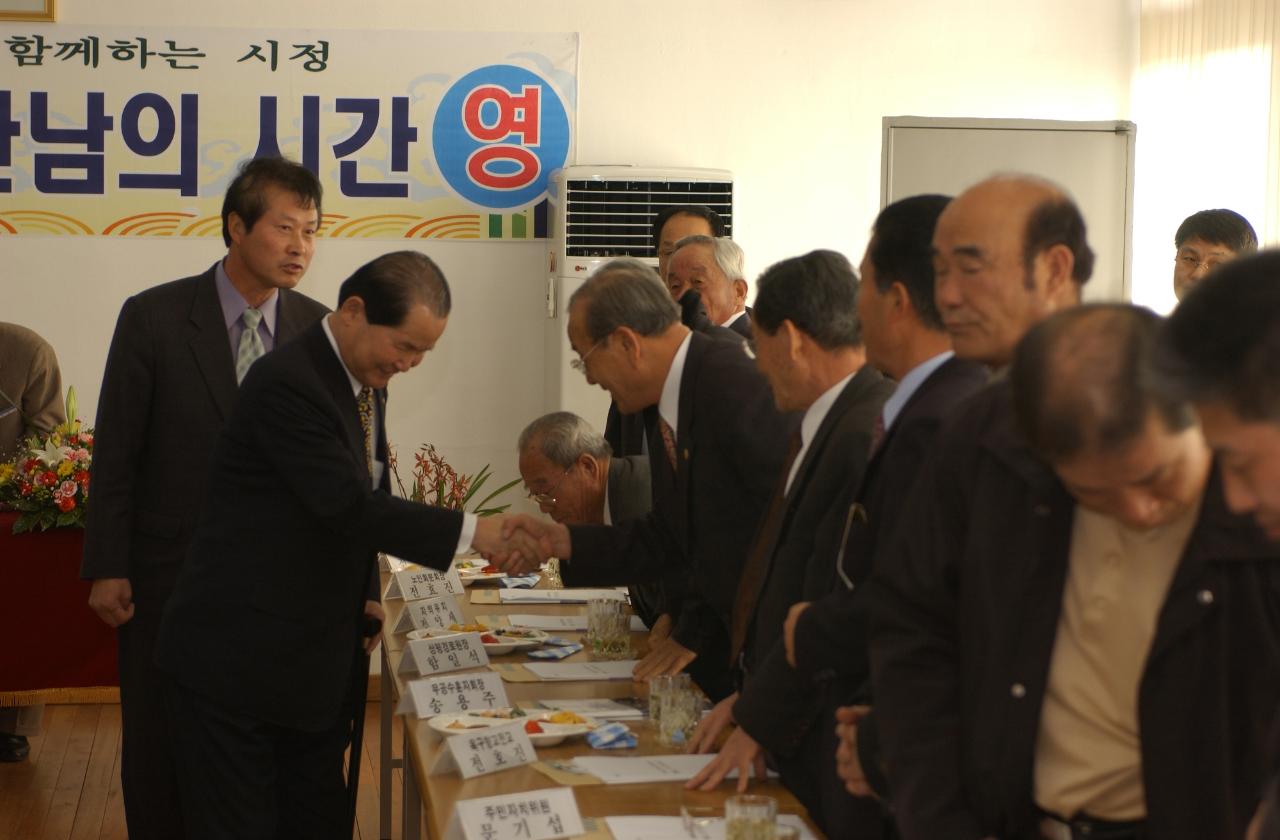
column 1092, row 160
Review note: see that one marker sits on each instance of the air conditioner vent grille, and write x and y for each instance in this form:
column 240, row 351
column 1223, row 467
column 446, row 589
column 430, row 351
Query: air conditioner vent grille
column 611, row 218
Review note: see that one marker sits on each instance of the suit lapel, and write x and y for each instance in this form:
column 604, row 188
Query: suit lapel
column 335, row 378
column 848, row 396
column 211, row 346
column 289, row 320
column 684, row 429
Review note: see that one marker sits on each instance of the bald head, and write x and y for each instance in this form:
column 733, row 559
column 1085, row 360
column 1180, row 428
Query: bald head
column 1082, row 381
column 1008, row 252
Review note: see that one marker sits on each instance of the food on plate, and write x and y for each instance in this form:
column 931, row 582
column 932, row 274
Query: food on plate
column 565, row 717
column 490, row 639
column 518, row 632
column 469, row 628
column 457, row 724
column 533, row 728
column 504, row 714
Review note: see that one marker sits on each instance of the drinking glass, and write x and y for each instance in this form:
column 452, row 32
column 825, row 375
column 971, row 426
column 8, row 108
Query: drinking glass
column 608, row 629
column 677, row 716
column 750, row 817
column 659, row 686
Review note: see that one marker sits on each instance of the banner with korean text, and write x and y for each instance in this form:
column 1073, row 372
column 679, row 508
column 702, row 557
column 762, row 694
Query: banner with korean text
column 113, row 131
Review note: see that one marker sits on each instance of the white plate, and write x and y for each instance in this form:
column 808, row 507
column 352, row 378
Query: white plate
column 552, row 733
column 507, row 645
column 480, row 577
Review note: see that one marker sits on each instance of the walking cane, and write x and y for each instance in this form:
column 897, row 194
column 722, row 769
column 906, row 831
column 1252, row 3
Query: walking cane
column 360, row 690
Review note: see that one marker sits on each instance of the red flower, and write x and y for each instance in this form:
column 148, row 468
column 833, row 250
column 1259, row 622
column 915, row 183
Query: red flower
column 81, row 477
column 66, row 503
column 49, row 478
column 29, row 465
column 24, row 487
column 73, row 440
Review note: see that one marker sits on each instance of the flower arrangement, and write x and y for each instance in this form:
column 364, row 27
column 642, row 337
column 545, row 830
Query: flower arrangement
column 436, row 483
column 48, row 484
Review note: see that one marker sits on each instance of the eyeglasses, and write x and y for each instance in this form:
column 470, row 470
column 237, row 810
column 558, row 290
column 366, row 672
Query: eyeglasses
column 1190, row 263
column 580, row 365
column 549, row 498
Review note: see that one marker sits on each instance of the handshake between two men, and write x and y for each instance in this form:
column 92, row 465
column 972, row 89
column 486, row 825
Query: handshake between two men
column 518, row 543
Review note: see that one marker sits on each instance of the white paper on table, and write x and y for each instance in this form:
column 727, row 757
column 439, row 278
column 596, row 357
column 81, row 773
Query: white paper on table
column 599, row 708
column 615, row 670
column 672, row 828
column 563, row 622
column 626, row 770
column 557, row 596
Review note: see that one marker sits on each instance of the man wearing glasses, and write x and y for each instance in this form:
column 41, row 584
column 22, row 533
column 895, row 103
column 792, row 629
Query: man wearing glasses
column 1206, row 240
column 571, row 473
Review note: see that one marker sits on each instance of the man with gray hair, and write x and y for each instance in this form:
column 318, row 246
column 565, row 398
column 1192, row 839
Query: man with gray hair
column 716, row 447
column 569, row 470
column 714, row 269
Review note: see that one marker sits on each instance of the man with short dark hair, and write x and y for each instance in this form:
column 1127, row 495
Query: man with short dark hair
column 262, row 638
column 1208, row 239
column 809, row 346
column 714, row 269
column 1232, row 377
column 179, row 351
column 716, row 447
column 1065, row 634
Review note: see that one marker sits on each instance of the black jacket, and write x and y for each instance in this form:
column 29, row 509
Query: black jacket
column 964, row 612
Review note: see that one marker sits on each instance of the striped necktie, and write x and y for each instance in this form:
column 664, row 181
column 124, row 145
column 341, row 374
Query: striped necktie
column 251, row 348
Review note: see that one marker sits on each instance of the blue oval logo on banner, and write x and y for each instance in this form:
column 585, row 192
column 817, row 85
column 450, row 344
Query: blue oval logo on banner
column 498, row 134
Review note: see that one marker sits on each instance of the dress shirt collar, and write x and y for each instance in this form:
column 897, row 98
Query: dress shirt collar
column 669, row 403
column 910, row 384
column 812, row 420
column 356, row 387
column 735, row 316
column 234, row 304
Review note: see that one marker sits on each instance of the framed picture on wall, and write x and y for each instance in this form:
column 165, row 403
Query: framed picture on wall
column 28, row 9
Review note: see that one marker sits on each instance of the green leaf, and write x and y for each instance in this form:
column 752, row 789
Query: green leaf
column 504, row 488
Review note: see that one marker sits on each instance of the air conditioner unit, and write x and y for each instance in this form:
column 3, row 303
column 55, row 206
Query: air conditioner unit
column 597, row 213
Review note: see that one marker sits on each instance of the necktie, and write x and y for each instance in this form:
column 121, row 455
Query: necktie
column 877, row 433
column 250, row 349
column 364, row 402
column 757, row 566
column 668, row 441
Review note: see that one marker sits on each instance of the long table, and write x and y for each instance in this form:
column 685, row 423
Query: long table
column 441, row 792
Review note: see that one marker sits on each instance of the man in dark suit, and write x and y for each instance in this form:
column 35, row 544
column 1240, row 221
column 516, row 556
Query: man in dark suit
column 171, row 377
column 809, row 347
column 262, row 636
column 568, row 470
column 716, row 448
column 626, row 432
column 714, row 268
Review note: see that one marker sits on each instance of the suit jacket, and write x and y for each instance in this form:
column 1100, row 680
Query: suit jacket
column 631, row 496
column 964, row 621
column 830, row 637
column 169, row 386
column 741, row 325
column 730, row 443
column 29, row 376
column 265, row 619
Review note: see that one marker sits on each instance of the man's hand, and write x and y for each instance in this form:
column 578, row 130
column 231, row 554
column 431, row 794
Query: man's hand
column 789, row 630
column 666, row 657
column 710, row 727
column 848, row 767
column 373, row 609
column 112, row 600
column 511, row 546
column 741, row 752
column 661, row 629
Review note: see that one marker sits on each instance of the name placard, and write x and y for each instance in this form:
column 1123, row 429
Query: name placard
column 454, row 693
column 416, row 584
column 440, row 656
column 536, row 815
column 486, row 751
column 431, row 614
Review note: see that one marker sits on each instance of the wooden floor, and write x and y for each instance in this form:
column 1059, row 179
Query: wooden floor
column 69, row 788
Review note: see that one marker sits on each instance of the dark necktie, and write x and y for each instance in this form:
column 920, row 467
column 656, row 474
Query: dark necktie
column 668, row 441
column 757, row 566
column 364, row 402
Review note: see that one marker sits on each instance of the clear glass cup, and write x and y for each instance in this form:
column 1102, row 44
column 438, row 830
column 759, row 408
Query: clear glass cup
column 608, row 629
column 677, row 716
column 783, row 831
column 749, row 817
column 659, row 686
column 551, row 574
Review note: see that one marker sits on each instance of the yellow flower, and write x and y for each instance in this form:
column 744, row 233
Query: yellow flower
column 66, row 468
column 6, row 472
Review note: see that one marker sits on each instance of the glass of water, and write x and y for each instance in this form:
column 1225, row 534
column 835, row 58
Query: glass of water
column 750, row 817
column 608, row 628
column 659, row 686
column 677, row 716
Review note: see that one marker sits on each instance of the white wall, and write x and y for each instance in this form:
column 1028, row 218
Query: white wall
column 789, row 94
